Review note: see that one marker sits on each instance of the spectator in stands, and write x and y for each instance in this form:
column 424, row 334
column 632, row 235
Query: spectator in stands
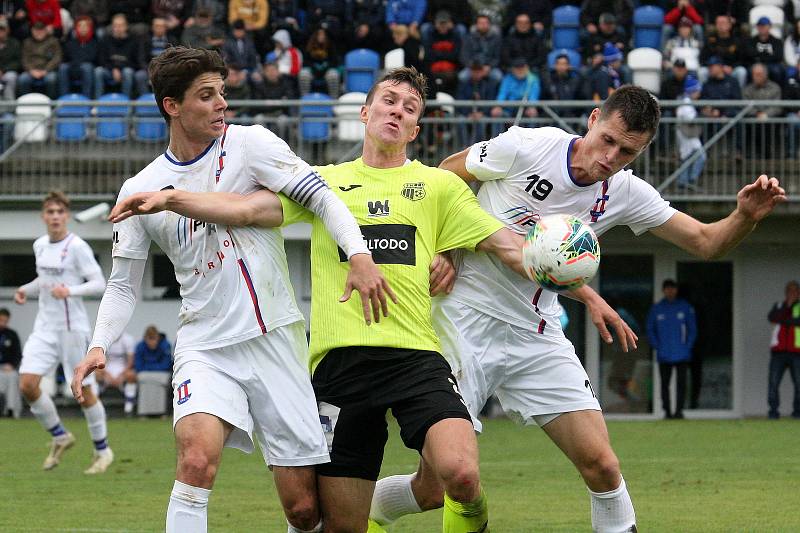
column 10, row 61
column 237, row 88
column 80, row 56
column 255, row 15
column 217, row 8
column 726, row 47
column 156, row 42
column 119, row 372
column 484, row 42
column 562, row 82
column 519, row 84
column 767, row 49
column 275, row 86
column 365, row 25
column 539, row 11
column 791, row 47
column 152, row 354
column 10, row 357
column 592, row 9
column 47, row 12
column 137, row 13
column 480, row 86
column 673, row 85
column 196, row 36
column 283, row 16
column 240, row 49
column 459, row 10
column 684, row 46
column 321, row 62
column 607, row 32
column 677, row 11
column 762, row 88
column 497, row 9
column 97, row 9
column 735, row 10
column 791, row 91
column 118, row 56
column 413, row 52
column 41, row 56
column 328, row 14
column 175, row 12
column 411, row 13
column 522, row 41
column 286, row 55
column 719, row 86
column 687, row 134
column 607, row 73
column 442, row 53
column 785, row 349
column 672, row 331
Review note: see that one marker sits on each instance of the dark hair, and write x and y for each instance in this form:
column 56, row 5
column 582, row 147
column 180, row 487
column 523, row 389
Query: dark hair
column 57, row 197
column 173, row 71
column 668, row 283
column 637, row 108
column 5, row 312
column 409, row 75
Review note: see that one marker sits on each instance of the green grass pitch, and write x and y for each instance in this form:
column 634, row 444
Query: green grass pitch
column 684, row 476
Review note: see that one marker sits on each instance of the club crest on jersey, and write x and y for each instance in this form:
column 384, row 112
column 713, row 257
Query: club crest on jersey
column 378, row 208
column 183, row 392
column 413, row 191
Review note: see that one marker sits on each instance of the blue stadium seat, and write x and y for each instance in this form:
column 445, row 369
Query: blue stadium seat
column 574, row 58
column 360, row 69
column 71, row 120
column 316, row 131
column 566, row 27
column 648, row 22
column 112, row 123
column 150, row 125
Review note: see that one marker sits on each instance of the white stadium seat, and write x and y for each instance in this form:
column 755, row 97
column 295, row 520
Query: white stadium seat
column 394, row 59
column 645, row 63
column 32, row 120
column 347, row 111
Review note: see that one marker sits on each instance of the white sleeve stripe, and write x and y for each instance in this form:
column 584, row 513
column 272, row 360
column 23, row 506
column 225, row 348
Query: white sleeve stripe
column 311, row 192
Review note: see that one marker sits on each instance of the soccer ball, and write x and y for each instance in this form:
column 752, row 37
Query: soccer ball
column 561, row 253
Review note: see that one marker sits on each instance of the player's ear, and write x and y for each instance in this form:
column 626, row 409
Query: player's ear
column 171, row 106
column 594, row 116
column 363, row 113
column 414, row 133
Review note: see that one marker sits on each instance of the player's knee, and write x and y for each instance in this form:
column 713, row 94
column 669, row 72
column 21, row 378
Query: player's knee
column 602, row 467
column 303, row 512
column 29, row 389
column 196, row 468
column 461, row 480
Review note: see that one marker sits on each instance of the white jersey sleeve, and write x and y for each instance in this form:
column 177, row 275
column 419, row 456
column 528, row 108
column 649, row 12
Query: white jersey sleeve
column 493, row 159
column 130, row 238
column 272, row 164
column 89, row 269
column 646, row 208
column 116, row 307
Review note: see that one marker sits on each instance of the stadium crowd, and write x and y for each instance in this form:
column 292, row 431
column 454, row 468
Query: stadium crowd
column 481, row 49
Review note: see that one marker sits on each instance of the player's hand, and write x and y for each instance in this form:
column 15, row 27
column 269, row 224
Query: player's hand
column 758, row 199
column 94, row 360
column 141, row 203
column 603, row 315
column 60, row 292
column 366, row 278
column 20, row 297
column 443, row 274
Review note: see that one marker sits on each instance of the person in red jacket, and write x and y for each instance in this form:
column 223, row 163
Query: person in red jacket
column 680, row 9
column 785, row 348
column 46, row 11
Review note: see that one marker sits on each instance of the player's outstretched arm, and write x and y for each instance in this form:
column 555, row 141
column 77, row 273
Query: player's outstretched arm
column 710, row 241
column 507, row 246
column 457, row 164
column 603, row 315
column 261, row 208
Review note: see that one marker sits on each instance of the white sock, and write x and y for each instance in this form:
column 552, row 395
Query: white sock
column 293, row 529
column 96, row 420
column 612, row 511
column 392, row 499
column 45, row 411
column 188, row 509
column 129, row 391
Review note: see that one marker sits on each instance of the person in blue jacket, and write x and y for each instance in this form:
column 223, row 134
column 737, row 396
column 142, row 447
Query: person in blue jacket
column 672, row 330
column 154, row 353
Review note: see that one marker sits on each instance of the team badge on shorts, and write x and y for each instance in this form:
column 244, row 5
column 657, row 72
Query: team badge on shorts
column 413, row 191
column 328, row 416
column 183, row 392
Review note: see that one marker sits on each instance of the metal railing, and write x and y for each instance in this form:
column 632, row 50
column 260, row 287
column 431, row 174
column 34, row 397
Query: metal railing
column 737, row 148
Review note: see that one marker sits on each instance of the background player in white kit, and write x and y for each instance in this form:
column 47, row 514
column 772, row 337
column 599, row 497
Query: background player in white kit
column 66, row 271
column 241, row 352
column 485, row 322
column 118, row 371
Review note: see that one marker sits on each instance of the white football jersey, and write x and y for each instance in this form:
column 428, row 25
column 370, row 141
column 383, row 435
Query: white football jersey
column 68, row 262
column 526, row 175
column 117, row 353
column 234, row 281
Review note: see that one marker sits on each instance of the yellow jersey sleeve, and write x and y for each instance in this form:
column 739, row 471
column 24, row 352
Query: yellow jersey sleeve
column 293, row 212
column 464, row 223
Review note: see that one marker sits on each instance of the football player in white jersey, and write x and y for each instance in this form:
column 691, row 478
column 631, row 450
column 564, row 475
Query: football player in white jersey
column 66, row 271
column 241, row 353
column 485, row 322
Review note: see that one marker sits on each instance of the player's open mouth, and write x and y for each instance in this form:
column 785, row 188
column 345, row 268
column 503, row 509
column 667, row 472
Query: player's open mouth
column 605, row 167
column 393, row 125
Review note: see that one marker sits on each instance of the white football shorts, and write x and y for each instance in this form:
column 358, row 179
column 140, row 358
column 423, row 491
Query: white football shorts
column 259, row 386
column 44, row 350
column 536, row 378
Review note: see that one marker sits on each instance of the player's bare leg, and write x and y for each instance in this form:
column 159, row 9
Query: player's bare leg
column 44, row 410
column 199, row 439
column 583, row 437
column 345, row 503
column 297, row 490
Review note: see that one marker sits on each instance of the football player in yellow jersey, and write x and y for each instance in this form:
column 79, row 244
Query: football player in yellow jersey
column 408, row 212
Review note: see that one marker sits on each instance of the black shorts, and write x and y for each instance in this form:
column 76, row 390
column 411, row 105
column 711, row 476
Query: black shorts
column 356, row 386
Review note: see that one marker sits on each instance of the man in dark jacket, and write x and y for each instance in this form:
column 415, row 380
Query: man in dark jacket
column 483, row 42
column 719, row 86
column 672, row 330
column 785, row 349
column 480, row 86
column 41, row 55
column 522, row 41
column 563, row 83
column 10, row 357
column 767, row 49
column 117, row 58
column 728, row 47
column 607, row 32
